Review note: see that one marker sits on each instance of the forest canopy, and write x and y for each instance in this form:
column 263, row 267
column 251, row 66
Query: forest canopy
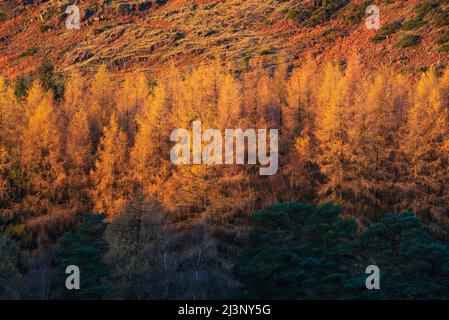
column 375, row 144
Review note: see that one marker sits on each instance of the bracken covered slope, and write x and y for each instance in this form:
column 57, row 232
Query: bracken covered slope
column 132, row 35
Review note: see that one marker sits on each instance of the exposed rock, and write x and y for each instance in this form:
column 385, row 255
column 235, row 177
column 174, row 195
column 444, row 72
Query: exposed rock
column 210, row 6
column 82, row 56
column 210, row 33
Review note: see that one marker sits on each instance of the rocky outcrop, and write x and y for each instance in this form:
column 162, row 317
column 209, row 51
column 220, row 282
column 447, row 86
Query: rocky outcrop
column 124, row 9
column 80, row 56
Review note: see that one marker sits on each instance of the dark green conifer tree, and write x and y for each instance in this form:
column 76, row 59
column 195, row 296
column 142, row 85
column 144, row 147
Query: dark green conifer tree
column 85, row 248
column 297, row 251
column 412, row 264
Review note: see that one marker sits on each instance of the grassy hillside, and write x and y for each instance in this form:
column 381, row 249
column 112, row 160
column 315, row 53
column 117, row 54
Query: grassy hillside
column 135, row 35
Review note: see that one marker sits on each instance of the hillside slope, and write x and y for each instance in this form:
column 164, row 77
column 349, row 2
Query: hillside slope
column 135, row 35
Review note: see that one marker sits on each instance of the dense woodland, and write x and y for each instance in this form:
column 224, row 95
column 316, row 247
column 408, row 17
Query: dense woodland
column 86, row 179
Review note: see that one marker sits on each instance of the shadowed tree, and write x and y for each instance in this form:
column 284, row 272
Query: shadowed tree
column 297, row 251
column 85, row 248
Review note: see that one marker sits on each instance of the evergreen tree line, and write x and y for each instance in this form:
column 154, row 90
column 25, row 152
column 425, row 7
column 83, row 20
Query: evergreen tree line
column 374, row 143
column 294, row 251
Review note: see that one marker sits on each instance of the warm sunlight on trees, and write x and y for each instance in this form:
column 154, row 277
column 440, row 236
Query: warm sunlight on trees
column 110, row 176
column 426, row 134
column 374, row 143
